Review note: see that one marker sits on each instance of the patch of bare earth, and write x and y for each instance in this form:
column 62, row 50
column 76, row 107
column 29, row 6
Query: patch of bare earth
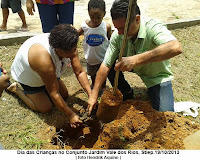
column 137, row 126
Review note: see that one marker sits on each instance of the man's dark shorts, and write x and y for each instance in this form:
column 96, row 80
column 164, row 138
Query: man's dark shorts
column 15, row 5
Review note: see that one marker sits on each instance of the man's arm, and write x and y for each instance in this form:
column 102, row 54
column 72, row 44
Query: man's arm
column 80, row 73
column 100, row 79
column 160, row 53
column 41, row 62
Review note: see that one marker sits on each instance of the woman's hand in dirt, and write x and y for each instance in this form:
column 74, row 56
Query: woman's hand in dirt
column 92, row 103
column 74, row 120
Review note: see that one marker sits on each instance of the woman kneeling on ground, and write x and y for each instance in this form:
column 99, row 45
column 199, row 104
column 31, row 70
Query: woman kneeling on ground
column 38, row 66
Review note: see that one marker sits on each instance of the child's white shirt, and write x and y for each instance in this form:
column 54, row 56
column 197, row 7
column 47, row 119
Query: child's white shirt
column 95, row 43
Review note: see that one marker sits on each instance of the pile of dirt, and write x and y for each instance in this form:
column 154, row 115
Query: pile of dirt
column 137, row 126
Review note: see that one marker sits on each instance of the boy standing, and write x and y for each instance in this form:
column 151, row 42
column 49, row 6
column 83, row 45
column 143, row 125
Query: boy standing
column 15, row 5
column 96, row 37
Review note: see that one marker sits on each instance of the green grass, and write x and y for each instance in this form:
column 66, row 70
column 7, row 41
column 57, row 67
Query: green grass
column 174, row 15
column 20, row 127
column 186, row 66
column 23, row 139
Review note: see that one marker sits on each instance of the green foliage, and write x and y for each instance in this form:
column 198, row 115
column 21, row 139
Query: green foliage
column 174, row 15
column 23, row 138
column 29, row 142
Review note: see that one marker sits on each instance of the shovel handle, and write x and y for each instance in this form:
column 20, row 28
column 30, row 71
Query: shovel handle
column 131, row 8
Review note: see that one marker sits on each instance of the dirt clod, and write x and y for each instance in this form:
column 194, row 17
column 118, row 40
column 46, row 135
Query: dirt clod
column 109, row 105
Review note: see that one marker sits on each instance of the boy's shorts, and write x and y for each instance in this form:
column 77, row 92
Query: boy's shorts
column 15, row 5
column 92, row 69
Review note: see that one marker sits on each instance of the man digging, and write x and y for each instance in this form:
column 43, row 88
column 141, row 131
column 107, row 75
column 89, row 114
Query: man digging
column 149, row 47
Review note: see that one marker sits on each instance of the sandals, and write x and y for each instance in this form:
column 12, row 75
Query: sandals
column 2, row 30
column 22, row 29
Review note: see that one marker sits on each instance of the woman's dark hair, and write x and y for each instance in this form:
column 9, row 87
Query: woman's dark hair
column 119, row 10
column 63, row 36
column 97, row 4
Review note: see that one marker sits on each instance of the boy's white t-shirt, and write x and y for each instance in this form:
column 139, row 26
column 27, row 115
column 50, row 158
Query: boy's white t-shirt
column 95, row 43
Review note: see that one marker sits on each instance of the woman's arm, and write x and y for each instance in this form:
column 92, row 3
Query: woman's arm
column 80, row 73
column 80, row 31
column 41, row 62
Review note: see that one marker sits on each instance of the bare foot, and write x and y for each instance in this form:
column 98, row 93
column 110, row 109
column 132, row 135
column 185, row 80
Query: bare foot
column 2, row 28
column 23, row 28
column 13, row 88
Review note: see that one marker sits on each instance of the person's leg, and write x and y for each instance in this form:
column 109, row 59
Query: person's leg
column 123, row 85
column 23, row 18
column 66, row 13
column 48, row 16
column 162, row 97
column 93, row 77
column 39, row 101
column 5, row 12
column 91, row 71
column 16, row 8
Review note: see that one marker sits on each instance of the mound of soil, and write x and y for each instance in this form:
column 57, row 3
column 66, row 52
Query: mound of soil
column 137, row 126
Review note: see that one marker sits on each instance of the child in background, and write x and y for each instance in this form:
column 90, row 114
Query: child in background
column 15, row 5
column 96, row 37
